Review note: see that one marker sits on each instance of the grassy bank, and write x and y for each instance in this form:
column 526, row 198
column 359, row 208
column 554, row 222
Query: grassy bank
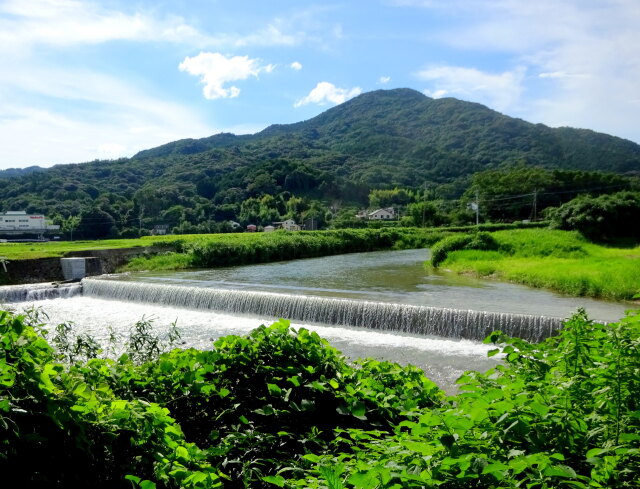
column 558, row 260
column 54, row 249
column 205, row 251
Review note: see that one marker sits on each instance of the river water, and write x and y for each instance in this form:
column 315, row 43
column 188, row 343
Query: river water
column 387, row 277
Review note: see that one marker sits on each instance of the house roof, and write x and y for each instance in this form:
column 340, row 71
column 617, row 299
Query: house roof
column 390, row 210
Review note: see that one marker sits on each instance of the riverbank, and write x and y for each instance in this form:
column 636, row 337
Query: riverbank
column 39, row 262
column 558, row 260
column 216, row 250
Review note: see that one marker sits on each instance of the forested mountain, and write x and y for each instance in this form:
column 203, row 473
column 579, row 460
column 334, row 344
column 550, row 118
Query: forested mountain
column 17, row 172
column 381, row 139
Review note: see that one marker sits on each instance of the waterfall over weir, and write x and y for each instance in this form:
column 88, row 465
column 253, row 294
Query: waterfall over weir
column 450, row 323
column 38, row 292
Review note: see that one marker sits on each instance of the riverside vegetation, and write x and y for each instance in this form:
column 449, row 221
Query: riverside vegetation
column 282, row 408
column 560, row 260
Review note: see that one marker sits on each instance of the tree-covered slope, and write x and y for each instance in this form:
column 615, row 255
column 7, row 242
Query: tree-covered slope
column 380, row 139
column 403, row 128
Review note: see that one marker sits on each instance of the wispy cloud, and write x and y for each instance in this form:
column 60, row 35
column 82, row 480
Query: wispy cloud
column 500, row 91
column 64, row 23
column 325, row 92
column 122, row 119
column 586, row 53
column 296, row 66
column 383, row 80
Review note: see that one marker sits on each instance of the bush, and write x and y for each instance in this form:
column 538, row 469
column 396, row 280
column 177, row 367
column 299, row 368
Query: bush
column 482, row 241
column 602, row 218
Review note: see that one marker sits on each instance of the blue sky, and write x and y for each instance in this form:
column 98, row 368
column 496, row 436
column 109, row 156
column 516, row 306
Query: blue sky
column 84, row 80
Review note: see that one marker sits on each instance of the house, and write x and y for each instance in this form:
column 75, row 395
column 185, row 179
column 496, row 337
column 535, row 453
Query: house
column 382, row 214
column 252, row 228
column 289, row 225
column 160, row 230
column 269, row 229
column 362, row 215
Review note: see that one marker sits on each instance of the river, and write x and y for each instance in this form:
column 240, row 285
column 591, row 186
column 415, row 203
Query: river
column 390, row 277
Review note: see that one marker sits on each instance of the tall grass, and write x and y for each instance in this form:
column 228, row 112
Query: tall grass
column 558, row 260
column 237, row 249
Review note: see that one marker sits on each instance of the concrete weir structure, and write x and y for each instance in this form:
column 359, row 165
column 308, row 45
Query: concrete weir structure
column 79, row 268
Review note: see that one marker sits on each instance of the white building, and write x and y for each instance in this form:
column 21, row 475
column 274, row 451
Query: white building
column 16, row 222
column 382, row 214
column 289, row 225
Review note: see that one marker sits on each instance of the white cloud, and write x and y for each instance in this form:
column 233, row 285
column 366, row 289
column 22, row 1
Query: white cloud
column 327, row 92
column 562, row 74
column 64, row 23
column 216, row 70
column 383, row 80
column 296, row 66
column 500, row 91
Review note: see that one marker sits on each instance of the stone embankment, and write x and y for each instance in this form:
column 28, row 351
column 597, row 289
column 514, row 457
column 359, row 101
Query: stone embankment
column 50, row 269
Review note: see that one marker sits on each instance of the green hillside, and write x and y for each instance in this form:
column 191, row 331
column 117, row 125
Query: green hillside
column 378, row 140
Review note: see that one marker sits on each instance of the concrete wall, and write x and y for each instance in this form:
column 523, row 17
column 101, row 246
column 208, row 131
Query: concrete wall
column 50, row 269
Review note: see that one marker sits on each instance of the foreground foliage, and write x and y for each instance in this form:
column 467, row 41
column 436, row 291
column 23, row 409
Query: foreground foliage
column 282, row 408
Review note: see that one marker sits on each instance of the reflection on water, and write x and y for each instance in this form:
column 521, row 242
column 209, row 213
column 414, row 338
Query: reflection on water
column 387, row 276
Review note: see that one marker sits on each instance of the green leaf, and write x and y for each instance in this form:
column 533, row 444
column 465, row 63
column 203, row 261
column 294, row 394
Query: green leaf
column 274, row 389
column 147, row 485
column 358, row 409
column 364, row 480
column 332, row 475
column 311, row 458
column 278, row 480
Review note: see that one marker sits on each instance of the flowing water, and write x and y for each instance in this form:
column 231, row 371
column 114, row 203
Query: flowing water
column 443, row 360
column 386, row 276
column 418, row 317
column 38, row 292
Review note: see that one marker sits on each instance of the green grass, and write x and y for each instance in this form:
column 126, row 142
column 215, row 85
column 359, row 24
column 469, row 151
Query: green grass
column 558, row 260
column 53, row 249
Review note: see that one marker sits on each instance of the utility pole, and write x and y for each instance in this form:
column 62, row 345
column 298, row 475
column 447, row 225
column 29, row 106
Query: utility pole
column 535, row 204
column 140, row 220
column 477, row 209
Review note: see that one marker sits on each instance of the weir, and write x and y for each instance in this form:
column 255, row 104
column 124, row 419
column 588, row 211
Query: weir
column 38, row 292
column 444, row 322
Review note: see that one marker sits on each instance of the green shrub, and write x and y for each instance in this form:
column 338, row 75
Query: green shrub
column 561, row 414
column 472, row 241
column 601, row 218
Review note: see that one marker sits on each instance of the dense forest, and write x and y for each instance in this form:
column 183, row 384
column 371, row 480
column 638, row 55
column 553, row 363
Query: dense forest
column 435, row 155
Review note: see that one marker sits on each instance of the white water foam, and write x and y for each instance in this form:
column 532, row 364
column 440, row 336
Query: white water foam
column 443, row 360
